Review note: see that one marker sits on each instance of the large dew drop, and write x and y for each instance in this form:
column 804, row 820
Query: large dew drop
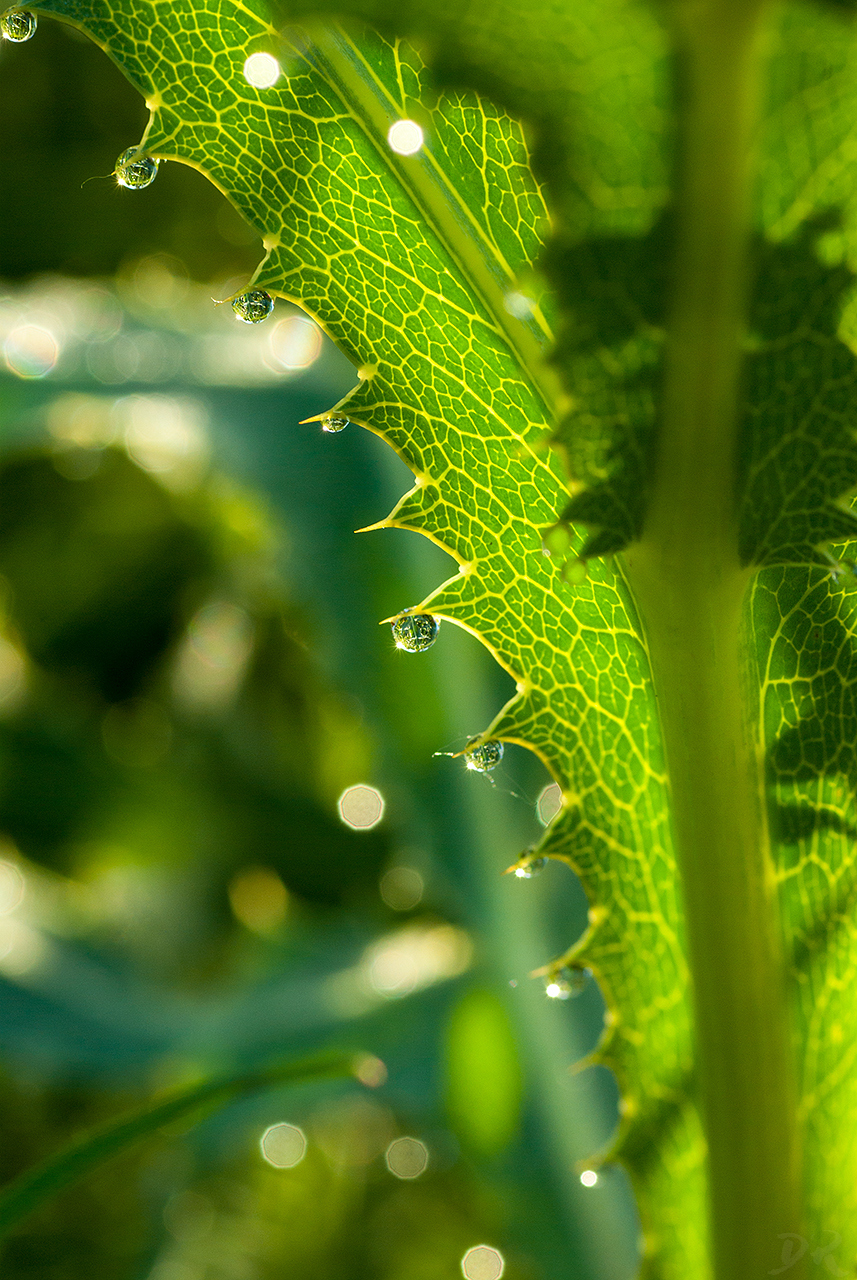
column 18, row 25
column 135, row 170
column 415, row 632
column 482, row 756
column 254, row 306
column 333, row 423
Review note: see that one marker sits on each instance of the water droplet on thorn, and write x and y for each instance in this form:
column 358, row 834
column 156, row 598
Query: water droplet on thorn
column 527, row 870
column 18, row 25
column 135, row 170
column 415, row 632
column 333, row 423
column 254, row 306
column 482, row 756
column 565, row 983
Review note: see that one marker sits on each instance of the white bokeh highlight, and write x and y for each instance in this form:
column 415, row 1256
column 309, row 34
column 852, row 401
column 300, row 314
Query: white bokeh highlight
column 283, row 1145
column 261, row 70
column 589, row 1177
column 361, row 807
column 483, row 1262
column 294, row 343
column 407, row 1158
column 30, row 351
column 405, row 137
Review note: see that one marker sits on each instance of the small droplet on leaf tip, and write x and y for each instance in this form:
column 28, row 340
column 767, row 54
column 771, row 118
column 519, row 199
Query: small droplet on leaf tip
column 414, row 632
column 135, row 170
column 530, row 868
column 333, row 423
column 480, row 757
column 567, row 982
column 253, row 307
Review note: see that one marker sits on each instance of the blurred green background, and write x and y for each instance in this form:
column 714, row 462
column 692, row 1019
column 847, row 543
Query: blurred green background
column 191, row 676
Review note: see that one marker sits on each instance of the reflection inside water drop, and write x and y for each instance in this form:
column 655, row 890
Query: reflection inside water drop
column 415, row 632
column 254, row 306
column 482, row 756
column 527, row 870
column 566, row 982
column 18, row 25
column 135, row 170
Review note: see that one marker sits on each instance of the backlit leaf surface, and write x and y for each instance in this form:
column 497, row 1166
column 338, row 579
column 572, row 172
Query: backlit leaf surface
column 419, row 267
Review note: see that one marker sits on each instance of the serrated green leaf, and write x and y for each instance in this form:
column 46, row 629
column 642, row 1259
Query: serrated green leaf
column 406, row 261
column 416, row 265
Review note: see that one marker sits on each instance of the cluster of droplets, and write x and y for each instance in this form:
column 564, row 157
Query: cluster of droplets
column 18, row 25
column 135, row 170
column 569, row 981
column 414, row 632
column 481, row 757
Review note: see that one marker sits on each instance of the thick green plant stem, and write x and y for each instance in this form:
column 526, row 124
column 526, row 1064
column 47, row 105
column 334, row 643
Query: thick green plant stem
column 686, row 575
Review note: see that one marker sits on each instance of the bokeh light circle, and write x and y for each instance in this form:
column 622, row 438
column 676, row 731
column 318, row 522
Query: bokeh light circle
column 405, row 137
column 283, row 1145
column 407, row 1158
column 361, row 807
column 262, row 70
column 483, row 1262
column 30, row 351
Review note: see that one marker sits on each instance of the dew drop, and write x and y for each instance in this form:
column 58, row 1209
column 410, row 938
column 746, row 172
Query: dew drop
column 135, row 170
column 527, row 870
column 567, row 982
column 482, row 756
column 333, row 423
column 415, row 632
column 18, row 25
column 254, row 306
